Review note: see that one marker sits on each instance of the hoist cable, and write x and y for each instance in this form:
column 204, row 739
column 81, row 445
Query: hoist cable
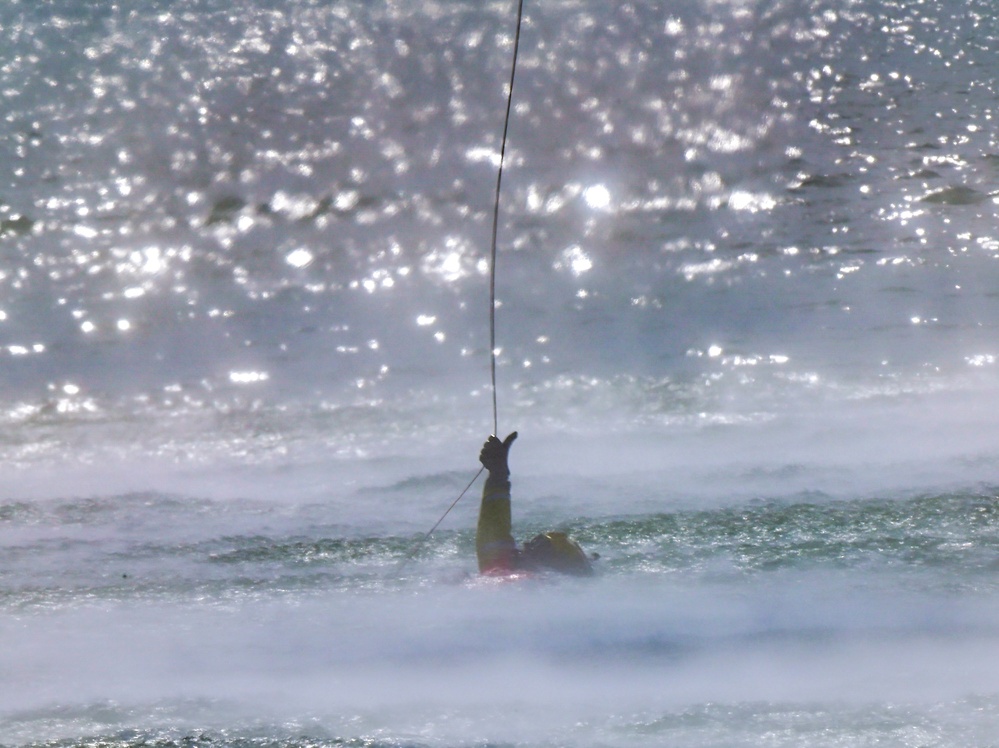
column 492, row 278
column 496, row 212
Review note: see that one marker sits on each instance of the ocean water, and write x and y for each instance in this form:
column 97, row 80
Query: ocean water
column 747, row 328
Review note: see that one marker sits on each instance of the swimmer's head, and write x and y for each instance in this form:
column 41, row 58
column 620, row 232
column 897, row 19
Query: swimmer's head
column 556, row 551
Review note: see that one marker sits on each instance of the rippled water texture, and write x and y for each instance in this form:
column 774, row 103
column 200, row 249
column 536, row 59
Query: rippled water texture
column 296, row 197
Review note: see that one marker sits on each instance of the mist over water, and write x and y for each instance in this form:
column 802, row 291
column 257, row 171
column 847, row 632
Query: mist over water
column 746, row 321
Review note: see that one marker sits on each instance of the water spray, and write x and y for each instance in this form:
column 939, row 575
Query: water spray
column 492, row 279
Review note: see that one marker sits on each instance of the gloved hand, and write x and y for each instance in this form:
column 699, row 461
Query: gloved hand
column 494, row 455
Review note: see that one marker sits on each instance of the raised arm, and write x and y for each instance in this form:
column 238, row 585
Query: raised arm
column 494, row 545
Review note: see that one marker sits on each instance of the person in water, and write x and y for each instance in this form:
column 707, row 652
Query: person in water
column 494, row 545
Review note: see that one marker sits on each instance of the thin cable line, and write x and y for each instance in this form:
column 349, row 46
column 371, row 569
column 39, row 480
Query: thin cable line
column 409, row 556
column 496, row 211
column 492, row 283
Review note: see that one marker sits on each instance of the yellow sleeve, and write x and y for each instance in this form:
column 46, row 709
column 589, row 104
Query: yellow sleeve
column 493, row 541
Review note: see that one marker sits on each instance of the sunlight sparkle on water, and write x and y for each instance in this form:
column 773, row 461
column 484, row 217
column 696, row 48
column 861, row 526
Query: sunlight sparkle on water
column 748, row 201
column 483, row 154
column 85, row 231
column 24, row 350
column 449, row 264
column 248, row 377
column 982, row 359
column 597, row 197
column 347, row 200
column 299, row 258
column 575, row 260
column 148, row 261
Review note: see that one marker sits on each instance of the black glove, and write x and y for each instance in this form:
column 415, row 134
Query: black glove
column 493, row 456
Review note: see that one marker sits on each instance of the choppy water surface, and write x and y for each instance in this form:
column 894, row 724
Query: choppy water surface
column 747, row 324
